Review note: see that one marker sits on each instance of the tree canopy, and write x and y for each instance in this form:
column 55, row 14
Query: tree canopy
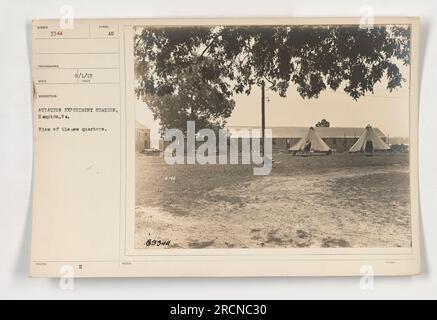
column 190, row 66
column 323, row 123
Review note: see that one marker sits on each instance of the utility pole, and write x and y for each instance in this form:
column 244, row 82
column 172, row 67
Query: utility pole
column 263, row 115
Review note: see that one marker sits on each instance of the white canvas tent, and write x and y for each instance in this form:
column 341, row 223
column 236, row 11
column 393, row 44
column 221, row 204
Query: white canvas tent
column 369, row 141
column 311, row 142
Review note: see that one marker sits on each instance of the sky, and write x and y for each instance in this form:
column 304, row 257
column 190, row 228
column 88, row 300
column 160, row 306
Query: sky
column 388, row 111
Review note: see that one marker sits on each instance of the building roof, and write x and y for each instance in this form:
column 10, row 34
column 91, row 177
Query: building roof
column 139, row 125
column 324, row 132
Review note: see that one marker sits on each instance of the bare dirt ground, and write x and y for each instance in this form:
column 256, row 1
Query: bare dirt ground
column 340, row 200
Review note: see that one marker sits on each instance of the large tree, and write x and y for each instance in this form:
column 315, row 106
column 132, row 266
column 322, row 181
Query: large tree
column 192, row 72
column 196, row 98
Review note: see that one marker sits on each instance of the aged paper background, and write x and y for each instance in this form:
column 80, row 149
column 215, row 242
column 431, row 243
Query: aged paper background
column 83, row 183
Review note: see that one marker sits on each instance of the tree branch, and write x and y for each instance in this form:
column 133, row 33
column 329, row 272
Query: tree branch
column 209, row 45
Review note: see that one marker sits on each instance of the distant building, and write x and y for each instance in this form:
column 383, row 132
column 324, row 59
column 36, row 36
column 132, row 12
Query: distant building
column 339, row 139
column 142, row 137
column 162, row 144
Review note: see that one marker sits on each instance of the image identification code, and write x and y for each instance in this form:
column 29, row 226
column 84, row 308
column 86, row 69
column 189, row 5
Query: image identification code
column 219, row 309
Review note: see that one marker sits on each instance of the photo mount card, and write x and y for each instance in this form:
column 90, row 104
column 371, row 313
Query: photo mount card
column 225, row 147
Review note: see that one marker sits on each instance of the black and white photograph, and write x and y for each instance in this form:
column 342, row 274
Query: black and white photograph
column 272, row 136
column 218, row 156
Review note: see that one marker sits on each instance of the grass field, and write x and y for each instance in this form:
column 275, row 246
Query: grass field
column 342, row 200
